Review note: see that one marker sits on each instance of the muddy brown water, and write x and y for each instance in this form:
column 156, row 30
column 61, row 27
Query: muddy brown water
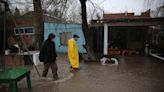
column 133, row 74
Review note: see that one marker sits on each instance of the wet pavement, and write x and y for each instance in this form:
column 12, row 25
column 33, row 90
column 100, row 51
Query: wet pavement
column 132, row 74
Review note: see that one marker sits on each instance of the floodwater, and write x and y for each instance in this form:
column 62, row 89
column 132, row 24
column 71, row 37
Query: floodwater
column 132, row 74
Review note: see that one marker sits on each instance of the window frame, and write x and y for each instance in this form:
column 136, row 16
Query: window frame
column 66, row 35
column 24, row 31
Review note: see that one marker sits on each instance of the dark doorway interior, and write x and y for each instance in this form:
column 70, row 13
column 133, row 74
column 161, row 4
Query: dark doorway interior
column 131, row 38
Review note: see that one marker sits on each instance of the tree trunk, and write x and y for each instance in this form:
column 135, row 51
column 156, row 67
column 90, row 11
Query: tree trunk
column 86, row 30
column 39, row 25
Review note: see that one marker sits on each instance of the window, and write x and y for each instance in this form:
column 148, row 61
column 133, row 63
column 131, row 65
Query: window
column 19, row 31
column 29, row 30
column 64, row 38
column 24, row 31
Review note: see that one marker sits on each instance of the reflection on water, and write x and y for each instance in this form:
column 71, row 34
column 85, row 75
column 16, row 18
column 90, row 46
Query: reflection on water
column 132, row 74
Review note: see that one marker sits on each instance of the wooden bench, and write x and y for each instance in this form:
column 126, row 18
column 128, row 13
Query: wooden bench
column 114, row 51
column 129, row 52
column 12, row 76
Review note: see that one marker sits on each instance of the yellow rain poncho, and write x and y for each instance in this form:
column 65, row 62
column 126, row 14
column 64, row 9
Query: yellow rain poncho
column 73, row 53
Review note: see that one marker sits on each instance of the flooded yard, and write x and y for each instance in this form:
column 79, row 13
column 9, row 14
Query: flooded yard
column 132, row 74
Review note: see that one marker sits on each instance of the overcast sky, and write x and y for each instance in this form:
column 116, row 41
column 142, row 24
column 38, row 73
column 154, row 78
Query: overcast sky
column 137, row 6
column 117, row 6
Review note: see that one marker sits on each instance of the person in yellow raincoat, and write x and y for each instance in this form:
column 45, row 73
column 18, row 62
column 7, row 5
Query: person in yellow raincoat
column 73, row 54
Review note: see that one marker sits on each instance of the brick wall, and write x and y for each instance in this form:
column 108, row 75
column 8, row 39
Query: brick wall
column 25, row 22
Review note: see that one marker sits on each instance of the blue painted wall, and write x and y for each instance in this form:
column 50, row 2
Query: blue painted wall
column 58, row 28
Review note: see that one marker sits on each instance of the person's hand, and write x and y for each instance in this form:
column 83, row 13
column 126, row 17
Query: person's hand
column 55, row 59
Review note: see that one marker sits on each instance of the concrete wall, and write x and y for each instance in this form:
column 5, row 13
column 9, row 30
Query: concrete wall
column 58, row 28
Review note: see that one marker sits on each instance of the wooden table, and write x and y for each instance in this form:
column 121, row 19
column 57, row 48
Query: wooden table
column 12, row 76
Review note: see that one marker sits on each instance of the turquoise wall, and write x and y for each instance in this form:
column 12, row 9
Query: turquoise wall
column 58, row 28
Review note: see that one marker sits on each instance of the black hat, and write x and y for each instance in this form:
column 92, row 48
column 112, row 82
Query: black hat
column 75, row 36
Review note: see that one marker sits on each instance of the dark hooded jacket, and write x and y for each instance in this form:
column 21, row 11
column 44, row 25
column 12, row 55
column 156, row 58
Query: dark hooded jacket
column 48, row 52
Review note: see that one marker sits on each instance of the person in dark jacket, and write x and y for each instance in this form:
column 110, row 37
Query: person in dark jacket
column 48, row 56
